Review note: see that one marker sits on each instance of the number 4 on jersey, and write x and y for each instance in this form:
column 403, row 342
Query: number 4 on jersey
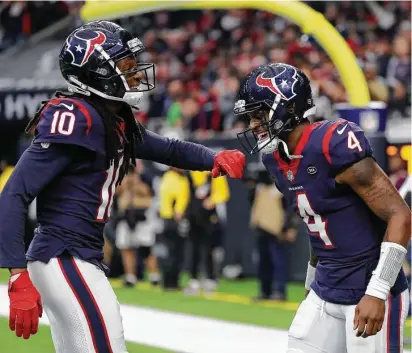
column 353, row 142
column 313, row 221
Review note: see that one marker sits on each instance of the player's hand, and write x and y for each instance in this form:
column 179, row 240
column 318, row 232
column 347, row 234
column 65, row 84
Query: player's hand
column 25, row 305
column 369, row 316
column 230, row 162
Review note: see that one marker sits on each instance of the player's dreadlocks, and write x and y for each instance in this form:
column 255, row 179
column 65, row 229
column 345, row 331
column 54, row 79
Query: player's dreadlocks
column 122, row 131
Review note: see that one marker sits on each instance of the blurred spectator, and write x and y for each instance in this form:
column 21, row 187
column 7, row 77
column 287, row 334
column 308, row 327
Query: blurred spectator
column 20, row 19
column 397, row 170
column 174, row 196
column 15, row 22
column 274, row 227
column 377, row 86
column 399, row 73
column 175, row 100
column 205, row 233
column 135, row 224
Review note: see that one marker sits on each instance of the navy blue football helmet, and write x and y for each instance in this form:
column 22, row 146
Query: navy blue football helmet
column 89, row 57
column 279, row 95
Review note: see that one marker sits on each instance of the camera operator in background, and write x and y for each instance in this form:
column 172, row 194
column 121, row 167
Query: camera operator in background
column 275, row 227
column 397, row 170
column 174, row 196
column 206, row 228
column 136, row 228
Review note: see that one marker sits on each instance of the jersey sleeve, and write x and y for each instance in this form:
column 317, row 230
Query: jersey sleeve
column 344, row 144
column 175, row 153
column 37, row 167
column 66, row 121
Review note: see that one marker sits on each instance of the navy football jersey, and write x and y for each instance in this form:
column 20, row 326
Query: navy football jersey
column 66, row 169
column 74, row 207
column 345, row 234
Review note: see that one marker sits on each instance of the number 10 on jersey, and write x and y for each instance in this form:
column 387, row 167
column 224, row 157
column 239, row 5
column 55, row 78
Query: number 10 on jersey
column 314, row 222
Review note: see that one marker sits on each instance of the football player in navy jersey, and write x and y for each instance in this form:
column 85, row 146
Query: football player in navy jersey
column 358, row 224
column 85, row 140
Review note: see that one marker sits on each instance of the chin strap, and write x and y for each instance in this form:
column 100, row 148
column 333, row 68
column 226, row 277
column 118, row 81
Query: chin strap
column 286, row 150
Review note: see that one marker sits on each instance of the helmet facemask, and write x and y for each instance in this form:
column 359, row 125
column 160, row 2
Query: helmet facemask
column 265, row 136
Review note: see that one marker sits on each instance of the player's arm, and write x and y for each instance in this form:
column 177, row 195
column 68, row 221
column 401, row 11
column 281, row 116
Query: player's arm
column 190, row 156
column 350, row 155
column 175, row 153
column 368, row 180
column 35, row 169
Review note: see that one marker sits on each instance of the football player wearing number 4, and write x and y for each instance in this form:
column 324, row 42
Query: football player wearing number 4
column 358, row 224
column 84, row 142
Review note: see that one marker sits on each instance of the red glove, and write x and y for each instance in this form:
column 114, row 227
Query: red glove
column 25, row 305
column 229, row 163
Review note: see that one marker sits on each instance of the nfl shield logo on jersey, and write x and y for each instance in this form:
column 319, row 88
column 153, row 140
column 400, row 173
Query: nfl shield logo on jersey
column 290, row 175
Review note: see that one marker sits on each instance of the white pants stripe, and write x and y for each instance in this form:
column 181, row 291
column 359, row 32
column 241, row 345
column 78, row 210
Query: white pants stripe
column 82, row 308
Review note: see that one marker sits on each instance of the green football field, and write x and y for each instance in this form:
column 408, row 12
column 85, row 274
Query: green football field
column 231, row 303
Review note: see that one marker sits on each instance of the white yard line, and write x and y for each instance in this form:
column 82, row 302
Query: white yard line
column 188, row 333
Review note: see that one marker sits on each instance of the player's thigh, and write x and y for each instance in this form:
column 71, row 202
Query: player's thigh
column 390, row 338
column 82, row 308
column 313, row 330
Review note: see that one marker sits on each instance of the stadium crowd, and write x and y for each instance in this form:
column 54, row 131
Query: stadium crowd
column 20, row 19
column 201, row 56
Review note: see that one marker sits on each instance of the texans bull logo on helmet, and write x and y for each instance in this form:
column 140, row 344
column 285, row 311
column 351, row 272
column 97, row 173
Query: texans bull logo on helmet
column 83, row 44
column 281, row 84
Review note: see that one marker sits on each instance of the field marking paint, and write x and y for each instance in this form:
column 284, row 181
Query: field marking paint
column 228, row 298
column 219, row 297
column 187, row 333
